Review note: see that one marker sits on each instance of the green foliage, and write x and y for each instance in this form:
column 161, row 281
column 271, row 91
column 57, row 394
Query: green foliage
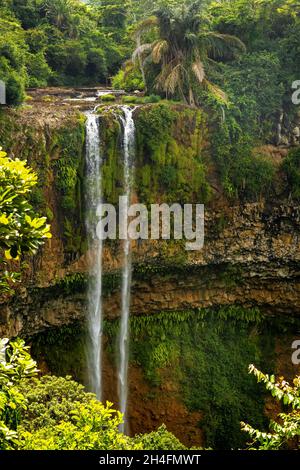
column 51, row 400
column 155, row 120
column 208, row 353
column 71, row 283
column 284, row 433
column 171, row 154
column 129, row 79
column 131, row 99
column 269, row 30
column 243, row 172
column 57, row 414
column 68, row 169
column 21, row 231
column 38, row 70
column 54, row 42
column 160, row 440
column 108, row 98
column 91, row 426
column 182, row 47
column 12, row 59
column 16, row 364
column 255, row 97
column 152, row 99
column 291, row 168
column 254, row 88
column 63, row 348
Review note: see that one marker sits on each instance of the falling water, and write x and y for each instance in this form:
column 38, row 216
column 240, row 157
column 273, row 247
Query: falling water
column 129, row 149
column 93, row 199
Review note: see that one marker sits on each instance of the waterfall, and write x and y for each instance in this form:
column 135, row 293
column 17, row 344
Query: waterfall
column 95, row 314
column 129, row 150
column 95, row 248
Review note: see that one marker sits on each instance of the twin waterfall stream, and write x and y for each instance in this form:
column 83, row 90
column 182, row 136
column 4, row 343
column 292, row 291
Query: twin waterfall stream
column 94, row 197
column 93, row 193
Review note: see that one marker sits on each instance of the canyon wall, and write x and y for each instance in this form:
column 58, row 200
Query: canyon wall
column 251, row 251
column 238, row 297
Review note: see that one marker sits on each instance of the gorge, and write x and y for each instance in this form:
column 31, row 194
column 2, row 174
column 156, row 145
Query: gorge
column 225, row 306
column 149, row 230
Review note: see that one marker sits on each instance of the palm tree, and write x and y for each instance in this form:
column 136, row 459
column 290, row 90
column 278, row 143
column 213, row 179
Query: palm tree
column 183, row 49
column 58, row 12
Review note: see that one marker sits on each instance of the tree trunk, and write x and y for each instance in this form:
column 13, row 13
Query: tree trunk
column 138, row 43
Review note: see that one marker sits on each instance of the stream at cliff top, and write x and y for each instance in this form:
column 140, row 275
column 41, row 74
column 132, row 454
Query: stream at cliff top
column 93, row 199
column 129, row 150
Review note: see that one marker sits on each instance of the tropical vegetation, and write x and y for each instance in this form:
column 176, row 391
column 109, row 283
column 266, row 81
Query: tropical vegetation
column 51, row 413
column 212, row 81
column 21, row 230
column 283, row 433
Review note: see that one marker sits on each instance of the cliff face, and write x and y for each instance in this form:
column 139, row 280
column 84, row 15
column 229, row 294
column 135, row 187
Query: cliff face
column 198, row 319
column 251, row 251
column 252, row 262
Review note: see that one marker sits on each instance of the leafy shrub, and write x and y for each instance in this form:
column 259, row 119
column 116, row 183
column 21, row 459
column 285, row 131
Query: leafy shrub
column 90, row 426
column 14, row 89
column 252, row 175
column 51, row 400
column 21, row 231
column 57, row 414
column 16, row 364
column 38, row 70
column 12, row 61
column 129, row 99
column 286, row 432
column 152, row 99
column 108, row 97
column 161, row 439
column 128, row 79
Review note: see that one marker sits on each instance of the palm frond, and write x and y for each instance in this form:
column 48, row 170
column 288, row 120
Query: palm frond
column 215, row 90
column 198, row 69
column 171, row 77
column 128, row 67
column 142, row 51
column 160, row 47
column 146, row 25
column 219, row 45
column 191, row 38
column 172, row 81
column 230, row 40
column 164, row 73
column 162, row 77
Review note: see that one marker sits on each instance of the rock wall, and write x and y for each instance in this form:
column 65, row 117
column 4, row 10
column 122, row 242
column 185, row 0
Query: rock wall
column 252, row 262
column 197, row 318
column 251, row 251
